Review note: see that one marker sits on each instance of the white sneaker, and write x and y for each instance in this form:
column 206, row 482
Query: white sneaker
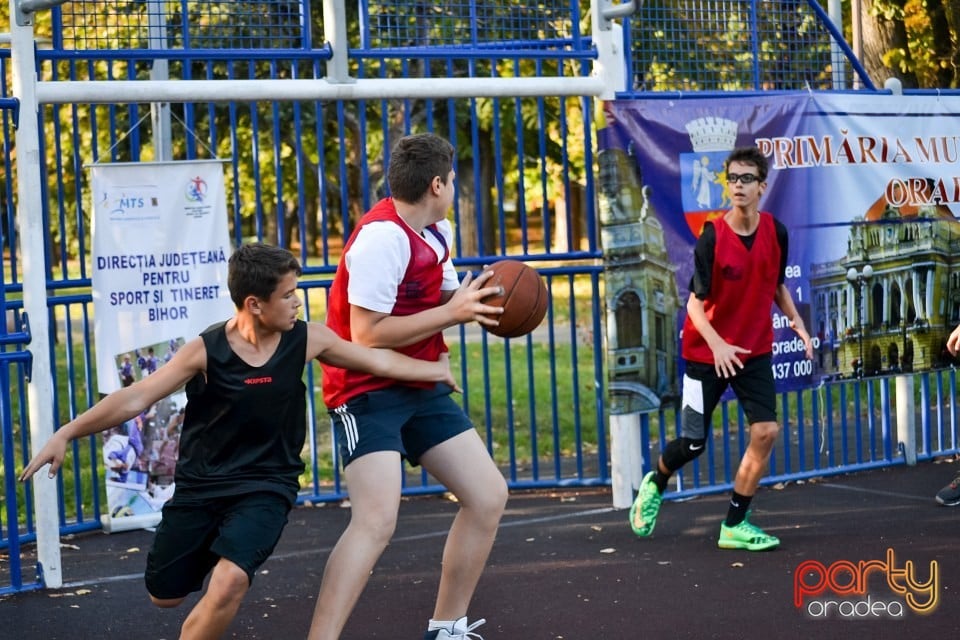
column 460, row 631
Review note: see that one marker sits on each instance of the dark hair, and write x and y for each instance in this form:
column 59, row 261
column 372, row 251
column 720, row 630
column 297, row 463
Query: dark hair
column 414, row 162
column 749, row 155
column 255, row 269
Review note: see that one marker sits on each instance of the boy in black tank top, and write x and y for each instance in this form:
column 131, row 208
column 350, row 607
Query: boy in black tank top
column 244, row 426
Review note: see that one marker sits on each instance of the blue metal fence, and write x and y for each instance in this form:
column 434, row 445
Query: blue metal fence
column 315, row 166
column 835, row 428
column 16, row 504
column 684, row 46
column 517, row 30
column 122, row 26
column 525, row 189
column 14, row 368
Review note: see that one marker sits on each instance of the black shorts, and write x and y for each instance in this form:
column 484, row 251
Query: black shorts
column 195, row 533
column 399, row 418
column 703, row 388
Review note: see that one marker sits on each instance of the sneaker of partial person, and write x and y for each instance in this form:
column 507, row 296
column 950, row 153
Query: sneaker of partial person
column 643, row 513
column 746, row 536
column 949, row 496
column 459, row 631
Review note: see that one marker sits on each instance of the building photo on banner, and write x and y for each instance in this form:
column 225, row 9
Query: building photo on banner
column 867, row 188
column 160, row 250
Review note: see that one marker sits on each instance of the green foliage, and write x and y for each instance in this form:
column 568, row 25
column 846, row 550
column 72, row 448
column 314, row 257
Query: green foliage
column 696, row 46
column 515, row 394
column 890, row 10
column 309, row 166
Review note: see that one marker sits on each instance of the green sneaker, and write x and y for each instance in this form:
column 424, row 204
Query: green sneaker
column 746, row 536
column 643, row 513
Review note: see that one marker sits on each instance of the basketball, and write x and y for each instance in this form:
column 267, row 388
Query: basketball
column 524, row 298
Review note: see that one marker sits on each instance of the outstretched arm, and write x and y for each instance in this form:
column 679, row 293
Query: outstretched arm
column 328, row 347
column 785, row 301
column 375, row 329
column 120, row 406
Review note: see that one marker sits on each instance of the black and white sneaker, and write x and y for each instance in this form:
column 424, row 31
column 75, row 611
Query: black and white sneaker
column 949, row 496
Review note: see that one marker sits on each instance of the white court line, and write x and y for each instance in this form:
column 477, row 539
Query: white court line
column 877, row 492
column 518, row 523
column 108, row 579
column 324, row 550
column 439, row 534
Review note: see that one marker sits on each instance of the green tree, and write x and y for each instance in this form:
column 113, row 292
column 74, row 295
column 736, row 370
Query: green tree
column 915, row 41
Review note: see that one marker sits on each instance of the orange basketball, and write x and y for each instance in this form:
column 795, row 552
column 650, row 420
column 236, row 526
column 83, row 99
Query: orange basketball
column 524, row 298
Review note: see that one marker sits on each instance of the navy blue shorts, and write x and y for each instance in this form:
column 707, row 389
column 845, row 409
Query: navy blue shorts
column 703, row 388
column 195, row 533
column 410, row 420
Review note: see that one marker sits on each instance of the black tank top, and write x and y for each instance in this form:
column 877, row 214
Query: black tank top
column 244, row 426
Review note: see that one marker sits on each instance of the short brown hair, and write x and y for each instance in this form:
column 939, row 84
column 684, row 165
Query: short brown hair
column 255, row 269
column 415, row 161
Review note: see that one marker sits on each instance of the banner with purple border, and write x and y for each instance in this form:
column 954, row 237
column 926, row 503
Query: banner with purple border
column 867, row 187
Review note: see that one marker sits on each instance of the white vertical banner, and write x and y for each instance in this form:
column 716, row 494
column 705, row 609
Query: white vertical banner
column 160, row 251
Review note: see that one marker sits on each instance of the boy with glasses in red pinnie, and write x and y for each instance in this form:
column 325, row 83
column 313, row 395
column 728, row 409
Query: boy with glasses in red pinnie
column 740, row 263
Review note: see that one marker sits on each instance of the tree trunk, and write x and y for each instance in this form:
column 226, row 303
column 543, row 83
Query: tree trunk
column 476, row 226
column 467, row 226
column 487, row 215
column 944, row 44
column 882, row 35
column 569, row 220
column 311, row 212
column 951, row 14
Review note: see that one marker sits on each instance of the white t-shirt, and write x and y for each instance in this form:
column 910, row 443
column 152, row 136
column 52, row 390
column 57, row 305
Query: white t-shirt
column 378, row 258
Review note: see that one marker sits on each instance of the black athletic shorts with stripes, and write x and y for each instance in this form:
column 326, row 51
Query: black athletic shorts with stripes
column 410, row 420
column 703, row 388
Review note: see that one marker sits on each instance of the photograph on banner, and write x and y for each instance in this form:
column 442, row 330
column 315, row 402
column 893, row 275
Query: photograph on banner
column 867, row 190
column 159, row 277
column 136, row 365
column 140, row 455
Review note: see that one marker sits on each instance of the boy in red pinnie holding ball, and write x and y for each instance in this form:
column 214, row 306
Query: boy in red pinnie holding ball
column 396, row 287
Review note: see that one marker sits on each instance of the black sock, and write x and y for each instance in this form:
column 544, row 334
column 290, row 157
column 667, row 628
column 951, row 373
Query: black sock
column 661, row 479
column 738, row 509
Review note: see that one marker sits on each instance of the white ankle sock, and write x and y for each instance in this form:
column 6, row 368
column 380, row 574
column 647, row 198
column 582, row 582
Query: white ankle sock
column 433, row 625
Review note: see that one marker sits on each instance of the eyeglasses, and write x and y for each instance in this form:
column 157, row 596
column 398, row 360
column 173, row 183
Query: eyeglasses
column 744, row 178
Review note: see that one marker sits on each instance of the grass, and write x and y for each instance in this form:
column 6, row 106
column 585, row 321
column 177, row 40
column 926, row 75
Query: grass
column 531, row 390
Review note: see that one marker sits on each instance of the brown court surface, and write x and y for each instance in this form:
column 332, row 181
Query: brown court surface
column 566, row 565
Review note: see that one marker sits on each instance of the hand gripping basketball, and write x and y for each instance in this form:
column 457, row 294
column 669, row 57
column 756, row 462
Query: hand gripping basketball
column 524, row 298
